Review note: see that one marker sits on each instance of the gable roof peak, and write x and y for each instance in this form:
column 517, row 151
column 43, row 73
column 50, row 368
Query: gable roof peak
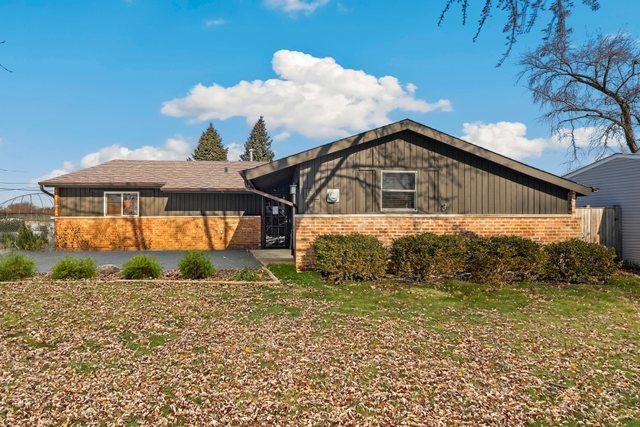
column 424, row 130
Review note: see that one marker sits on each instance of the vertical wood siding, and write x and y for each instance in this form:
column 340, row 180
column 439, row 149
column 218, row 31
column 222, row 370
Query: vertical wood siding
column 467, row 184
column 153, row 202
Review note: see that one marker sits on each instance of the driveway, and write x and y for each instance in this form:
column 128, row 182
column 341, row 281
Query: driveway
column 229, row 259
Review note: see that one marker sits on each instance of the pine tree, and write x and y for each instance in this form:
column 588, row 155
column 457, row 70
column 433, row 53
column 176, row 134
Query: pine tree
column 260, row 141
column 210, row 146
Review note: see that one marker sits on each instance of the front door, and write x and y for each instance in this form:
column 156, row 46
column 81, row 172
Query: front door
column 276, row 224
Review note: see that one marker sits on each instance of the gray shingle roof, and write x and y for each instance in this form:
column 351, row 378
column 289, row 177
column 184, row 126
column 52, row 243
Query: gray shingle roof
column 168, row 175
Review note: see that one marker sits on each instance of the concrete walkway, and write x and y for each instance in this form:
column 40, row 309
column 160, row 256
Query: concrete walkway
column 229, row 259
column 273, row 256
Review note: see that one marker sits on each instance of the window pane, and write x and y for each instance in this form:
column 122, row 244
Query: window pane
column 113, row 204
column 398, row 200
column 398, row 181
column 129, row 204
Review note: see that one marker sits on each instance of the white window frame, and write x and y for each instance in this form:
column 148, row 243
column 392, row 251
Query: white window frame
column 121, row 193
column 415, row 191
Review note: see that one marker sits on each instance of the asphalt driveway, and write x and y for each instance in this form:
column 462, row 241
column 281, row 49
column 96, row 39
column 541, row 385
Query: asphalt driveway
column 228, row 259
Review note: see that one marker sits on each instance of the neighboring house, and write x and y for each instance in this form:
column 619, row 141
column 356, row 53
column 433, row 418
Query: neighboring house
column 399, row 179
column 616, row 179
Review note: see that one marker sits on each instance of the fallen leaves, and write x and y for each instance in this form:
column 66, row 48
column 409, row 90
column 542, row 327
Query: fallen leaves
column 167, row 354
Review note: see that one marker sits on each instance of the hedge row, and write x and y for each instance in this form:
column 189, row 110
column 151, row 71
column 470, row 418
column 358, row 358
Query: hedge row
column 427, row 256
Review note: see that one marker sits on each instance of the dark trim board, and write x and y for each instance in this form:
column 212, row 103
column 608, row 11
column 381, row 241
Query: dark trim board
column 404, row 125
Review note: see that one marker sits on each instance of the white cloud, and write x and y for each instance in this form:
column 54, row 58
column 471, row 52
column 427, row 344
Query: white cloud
column 296, row 6
column 507, row 138
column 214, row 22
column 510, row 138
column 281, row 136
column 315, row 97
column 173, row 149
column 235, row 150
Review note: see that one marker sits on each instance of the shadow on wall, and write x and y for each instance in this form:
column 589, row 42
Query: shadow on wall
column 213, row 233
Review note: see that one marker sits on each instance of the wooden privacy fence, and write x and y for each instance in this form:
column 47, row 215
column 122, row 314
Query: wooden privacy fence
column 602, row 225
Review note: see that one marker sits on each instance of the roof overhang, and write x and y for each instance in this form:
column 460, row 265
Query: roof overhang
column 54, row 183
column 146, row 185
column 404, row 125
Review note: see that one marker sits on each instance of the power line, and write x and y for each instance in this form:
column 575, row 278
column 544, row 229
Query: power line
column 14, row 183
column 12, row 170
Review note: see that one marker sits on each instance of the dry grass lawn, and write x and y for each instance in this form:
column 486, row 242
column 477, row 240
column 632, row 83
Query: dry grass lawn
column 310, row 353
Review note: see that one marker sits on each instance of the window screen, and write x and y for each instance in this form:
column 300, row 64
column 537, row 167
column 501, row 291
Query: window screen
column 130, row 204
column 399, row 190
column 121, row 204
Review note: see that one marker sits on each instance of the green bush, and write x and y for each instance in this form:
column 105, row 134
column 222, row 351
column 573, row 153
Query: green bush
column 575, row 261
column 425, row 256
column 141, row 267
column 27, row 240
column 503, row 259
column 74, row 268
column 350, row 257
column 196, row 265
column 246, row 275
column 16, row 267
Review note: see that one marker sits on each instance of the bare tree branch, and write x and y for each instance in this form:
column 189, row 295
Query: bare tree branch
column 2, row 66
column 595, row 86
column 522, row 16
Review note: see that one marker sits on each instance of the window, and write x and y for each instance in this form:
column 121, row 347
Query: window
column 121, row 203
column 399, row 190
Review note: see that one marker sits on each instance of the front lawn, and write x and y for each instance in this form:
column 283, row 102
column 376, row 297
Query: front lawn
column 315, row 353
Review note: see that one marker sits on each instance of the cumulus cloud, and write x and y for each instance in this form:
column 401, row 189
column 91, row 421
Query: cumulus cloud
column 281, row 136
column 507, row 138
column 295, row 6
column 510, row 138
column 234, row 151
column 173, row 149
column 315, row 97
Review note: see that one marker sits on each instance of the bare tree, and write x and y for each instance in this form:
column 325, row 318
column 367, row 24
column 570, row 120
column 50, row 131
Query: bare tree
column 521, row 17
column 2, row 66
column 595, row 85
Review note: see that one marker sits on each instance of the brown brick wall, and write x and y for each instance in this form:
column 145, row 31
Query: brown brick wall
column 214, row 232
column 541, row 228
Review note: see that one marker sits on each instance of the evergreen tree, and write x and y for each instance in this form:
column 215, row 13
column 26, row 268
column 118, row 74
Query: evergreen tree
column 210, row 146
column 260, row 141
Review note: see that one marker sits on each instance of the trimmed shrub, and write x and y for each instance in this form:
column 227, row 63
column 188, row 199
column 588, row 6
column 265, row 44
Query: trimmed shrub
column 350, row 257
column 74, row 268
column 196, row 265
column 425, row 256
column 27, row 240
column 505, row 259
column 246, row 275
column 575, row 261
column 141, row 267
column 16, row 267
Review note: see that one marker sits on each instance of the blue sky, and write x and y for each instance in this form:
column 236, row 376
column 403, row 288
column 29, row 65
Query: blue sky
column 94, row 80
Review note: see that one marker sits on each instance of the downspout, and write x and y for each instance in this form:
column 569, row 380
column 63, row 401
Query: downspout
column 46, row 192
column 293, row 191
